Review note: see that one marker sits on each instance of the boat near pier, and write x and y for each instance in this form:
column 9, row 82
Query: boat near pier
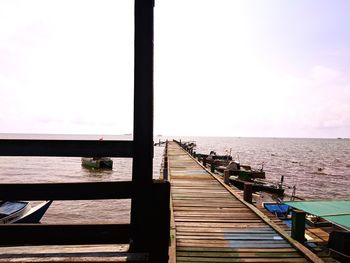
column 22, row 212
column 97, row 163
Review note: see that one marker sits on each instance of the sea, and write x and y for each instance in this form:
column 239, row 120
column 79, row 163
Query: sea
column 318, row 168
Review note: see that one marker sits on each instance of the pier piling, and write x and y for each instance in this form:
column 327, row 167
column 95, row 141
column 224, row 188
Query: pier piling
column 204, row 160
column 298, row 225
column 248, row 192
column 227, row 177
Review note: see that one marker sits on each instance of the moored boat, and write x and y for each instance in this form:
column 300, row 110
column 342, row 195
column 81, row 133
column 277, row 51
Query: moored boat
column 97, row 162
column 22, row 212
column 243, row 171
column 212, row 157
column 258, row 185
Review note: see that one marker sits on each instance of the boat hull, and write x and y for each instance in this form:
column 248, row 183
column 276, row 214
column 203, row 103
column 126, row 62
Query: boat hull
column 101, row 163
column 257, row 186
column 35, row 214
column 25, row 213
column 242, row 173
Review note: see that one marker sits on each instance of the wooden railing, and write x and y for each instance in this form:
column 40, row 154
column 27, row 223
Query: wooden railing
column 148, row 231
column 69, row 148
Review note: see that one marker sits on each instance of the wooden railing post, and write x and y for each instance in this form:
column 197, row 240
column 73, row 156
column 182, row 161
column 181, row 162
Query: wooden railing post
column 248, row 192
column 212, row 167
column 142, row 166
column 159, row 235
column 227, row 176
column 165, row 168
column 298, row 225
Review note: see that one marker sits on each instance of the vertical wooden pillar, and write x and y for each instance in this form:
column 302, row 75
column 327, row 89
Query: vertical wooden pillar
column 165, row 168
column 142, row 167
column 159, row 234
column 212, row 167
column 226, row 176
column 248, row 192
column 298, row 225
column 204, row 159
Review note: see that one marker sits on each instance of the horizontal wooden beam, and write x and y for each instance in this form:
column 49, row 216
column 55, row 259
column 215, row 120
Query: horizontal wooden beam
column 67, row 191
column 69, row 148
column 68, row 234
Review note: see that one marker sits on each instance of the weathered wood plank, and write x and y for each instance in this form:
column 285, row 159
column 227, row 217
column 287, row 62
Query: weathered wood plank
column 217, row 220
column 232, row 230
column 67, row 191
column 222, row 225
column 69, row 148
column 252, row 254
column 204, row 260
column 237, row 250
column 36, row 234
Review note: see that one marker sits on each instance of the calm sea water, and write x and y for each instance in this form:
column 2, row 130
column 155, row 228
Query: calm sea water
column 319, row 168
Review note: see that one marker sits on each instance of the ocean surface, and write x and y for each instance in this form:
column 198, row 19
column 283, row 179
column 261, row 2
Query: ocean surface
column 319, row 168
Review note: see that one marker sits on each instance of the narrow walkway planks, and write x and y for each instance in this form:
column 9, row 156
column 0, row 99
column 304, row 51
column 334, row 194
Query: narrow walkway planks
column 212, row 225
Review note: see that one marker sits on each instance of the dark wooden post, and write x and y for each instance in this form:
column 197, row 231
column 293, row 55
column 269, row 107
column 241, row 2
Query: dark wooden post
column 226, row 176
column 212, row 167
column 298, row 225
column 165, row 168
column 142, row 167
column 248, row 192
column 159, row 232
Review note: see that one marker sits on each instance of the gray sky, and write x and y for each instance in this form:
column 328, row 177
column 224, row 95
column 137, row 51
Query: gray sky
column 222, row 68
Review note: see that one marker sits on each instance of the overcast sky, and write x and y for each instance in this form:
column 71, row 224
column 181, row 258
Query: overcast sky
column 274, row 68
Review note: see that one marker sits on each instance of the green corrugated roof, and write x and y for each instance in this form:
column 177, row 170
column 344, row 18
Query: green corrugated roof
column 335, row 211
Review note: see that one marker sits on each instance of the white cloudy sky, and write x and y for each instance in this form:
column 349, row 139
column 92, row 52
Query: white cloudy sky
column 222, row 68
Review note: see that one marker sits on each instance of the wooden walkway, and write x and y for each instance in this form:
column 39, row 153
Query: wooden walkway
column 214, row 225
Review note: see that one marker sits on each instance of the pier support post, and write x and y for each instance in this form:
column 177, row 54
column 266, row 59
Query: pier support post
column 204, row 161
column 165, row 168
column 226, row 176
column 212, row 167
column 149, row 203
column 248, row 192
column 298, row 225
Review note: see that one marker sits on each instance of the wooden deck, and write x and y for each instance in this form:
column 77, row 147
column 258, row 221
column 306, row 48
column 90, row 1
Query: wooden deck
column 212, row 224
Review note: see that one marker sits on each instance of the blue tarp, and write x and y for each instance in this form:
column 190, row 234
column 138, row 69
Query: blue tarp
column 279, row 209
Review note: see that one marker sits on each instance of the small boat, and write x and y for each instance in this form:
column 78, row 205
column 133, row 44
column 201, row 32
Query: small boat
column 22, row 212
column 190, row 145
column 212, row 157
column 243, row 171
column 97, row 162
column 258, row 185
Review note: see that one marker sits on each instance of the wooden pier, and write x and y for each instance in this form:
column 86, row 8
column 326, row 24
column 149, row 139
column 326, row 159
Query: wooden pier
column 213, row 224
